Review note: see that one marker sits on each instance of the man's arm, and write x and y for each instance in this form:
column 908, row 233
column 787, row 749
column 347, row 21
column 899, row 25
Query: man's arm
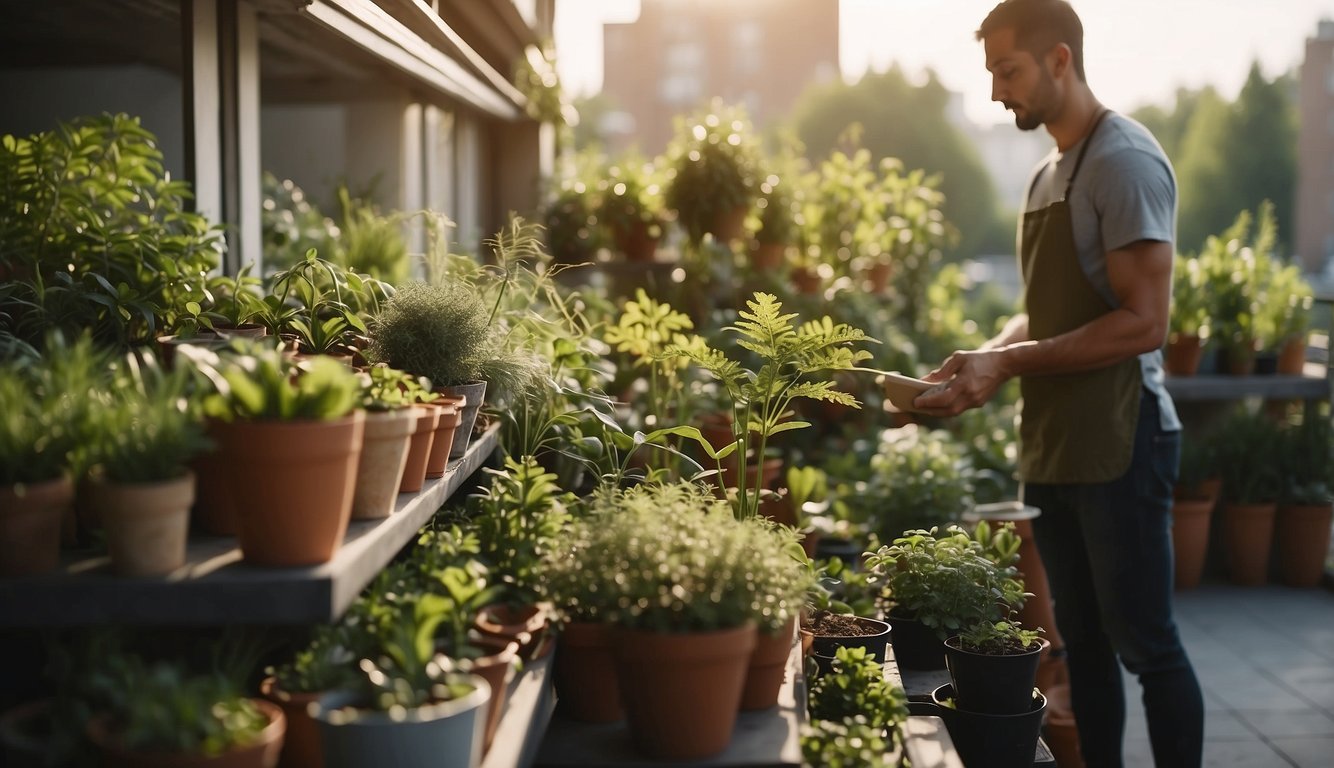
column 1141, row 277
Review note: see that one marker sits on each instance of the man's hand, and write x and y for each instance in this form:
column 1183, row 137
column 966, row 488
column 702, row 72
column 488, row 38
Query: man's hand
column 965, row 380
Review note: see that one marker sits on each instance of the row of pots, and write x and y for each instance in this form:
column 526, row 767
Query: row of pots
column 285, row 489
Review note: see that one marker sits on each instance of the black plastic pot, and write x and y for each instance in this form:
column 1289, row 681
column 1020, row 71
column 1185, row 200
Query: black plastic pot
column 993, row 684
column 844, row 549
column 828, row 645
column 992, row 741
column 916, row 646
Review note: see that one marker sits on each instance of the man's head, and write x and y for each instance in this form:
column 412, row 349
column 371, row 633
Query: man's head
column 1030, row 46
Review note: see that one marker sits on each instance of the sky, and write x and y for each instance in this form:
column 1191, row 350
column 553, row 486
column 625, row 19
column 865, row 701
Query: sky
column 1136, row 52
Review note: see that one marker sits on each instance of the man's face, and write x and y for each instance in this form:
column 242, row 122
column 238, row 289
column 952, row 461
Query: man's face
column 1019, row 82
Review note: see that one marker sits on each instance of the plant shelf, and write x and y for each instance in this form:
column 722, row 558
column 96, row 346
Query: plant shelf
column 1313, row 385
column 527, row 712
column 766, row 738
column 216, row 587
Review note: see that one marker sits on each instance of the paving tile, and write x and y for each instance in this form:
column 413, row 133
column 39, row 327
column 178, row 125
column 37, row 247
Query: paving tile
column 1307, row 751
column 1217, row 754
column 1278, row 723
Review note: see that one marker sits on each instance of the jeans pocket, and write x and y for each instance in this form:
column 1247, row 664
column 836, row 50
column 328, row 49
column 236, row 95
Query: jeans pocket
column 1161, row 477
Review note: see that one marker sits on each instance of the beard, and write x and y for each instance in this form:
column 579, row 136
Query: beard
column 1041, row 105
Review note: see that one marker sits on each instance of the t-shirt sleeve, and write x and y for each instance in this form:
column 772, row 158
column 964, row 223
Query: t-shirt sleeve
column 1135, row 199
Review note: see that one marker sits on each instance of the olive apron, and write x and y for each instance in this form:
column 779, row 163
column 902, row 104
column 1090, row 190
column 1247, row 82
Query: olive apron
column 1075, row 427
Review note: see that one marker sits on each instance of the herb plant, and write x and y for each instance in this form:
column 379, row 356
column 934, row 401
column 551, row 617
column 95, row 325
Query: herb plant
column 327, row 663
column 856, row 686
column 714, row 159
column 384, row 388
column 520, row 517
column 254, row 380
column 998, row 638
column 44, row 424
column 150, row 427
column 852, row 743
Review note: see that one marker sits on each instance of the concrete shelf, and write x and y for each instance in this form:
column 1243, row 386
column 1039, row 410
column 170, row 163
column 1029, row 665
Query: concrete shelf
column 216, row 587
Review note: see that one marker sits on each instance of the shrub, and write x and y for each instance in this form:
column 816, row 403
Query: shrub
column 436, row 331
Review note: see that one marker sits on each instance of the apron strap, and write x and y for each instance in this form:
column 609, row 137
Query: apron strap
column 1079, row 161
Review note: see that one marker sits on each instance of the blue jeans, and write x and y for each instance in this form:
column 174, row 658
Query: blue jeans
column 1107, row 548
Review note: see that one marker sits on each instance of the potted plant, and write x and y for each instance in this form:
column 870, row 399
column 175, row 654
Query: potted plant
column 437, row 330
column 406, row 702
column 855, row 687
column 918, row 478
column 289, row 441
column 571, row 224
column 328, row 663
column 160, row 716
column 1193, row 500
column 1302, row 525
column 1289, row 301
column 147, row 431
column 760, row 400
column 519, row 519
column 1248, row 456
column 42, row 426
column 940, row 582
column 783, row 578
column 993, row 665
column 778, row 210
column 388, row 397
column 689, row 588
column 631, row 207
column 714, row 173
column 848, row 742
column 1236, row 267
column 307, row 303
column 996, row 741
column 1188, row 324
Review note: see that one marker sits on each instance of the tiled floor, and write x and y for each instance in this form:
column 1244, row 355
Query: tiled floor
column 1265, row 658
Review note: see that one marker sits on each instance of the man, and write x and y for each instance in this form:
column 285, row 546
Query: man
column 1099, row 436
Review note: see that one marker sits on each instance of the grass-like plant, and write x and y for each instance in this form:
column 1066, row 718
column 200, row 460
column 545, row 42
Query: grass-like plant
column 436, row 330
column 151, row 424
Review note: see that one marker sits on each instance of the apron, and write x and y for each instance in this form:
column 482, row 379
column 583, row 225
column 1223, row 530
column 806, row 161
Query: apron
column 1075, row 427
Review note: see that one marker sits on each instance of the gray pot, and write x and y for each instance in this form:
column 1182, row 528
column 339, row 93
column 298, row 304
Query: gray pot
column 444, row 735
column 476, row 393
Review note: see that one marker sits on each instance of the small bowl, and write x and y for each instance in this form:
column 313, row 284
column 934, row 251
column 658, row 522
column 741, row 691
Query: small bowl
column 901, row 390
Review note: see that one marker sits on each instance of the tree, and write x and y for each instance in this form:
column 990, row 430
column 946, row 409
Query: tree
column 1169, row 127
column 1233, row 156
column 899, row 119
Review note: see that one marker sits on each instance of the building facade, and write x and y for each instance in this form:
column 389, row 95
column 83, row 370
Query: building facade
column 412, row 100
column 680, row 53
column 1315, row 153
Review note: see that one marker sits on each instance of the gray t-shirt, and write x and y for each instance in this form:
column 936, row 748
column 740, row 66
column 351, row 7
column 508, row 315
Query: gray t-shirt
column 1125, row 192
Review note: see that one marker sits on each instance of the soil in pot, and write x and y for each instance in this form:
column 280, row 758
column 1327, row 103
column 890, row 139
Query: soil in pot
column 835, row 630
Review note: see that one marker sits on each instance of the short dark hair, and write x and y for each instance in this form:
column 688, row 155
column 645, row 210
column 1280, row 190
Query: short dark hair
column 1038, row 26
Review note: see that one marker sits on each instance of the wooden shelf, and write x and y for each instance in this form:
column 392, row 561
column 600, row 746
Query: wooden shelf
column 766, row 738
column 216, row 587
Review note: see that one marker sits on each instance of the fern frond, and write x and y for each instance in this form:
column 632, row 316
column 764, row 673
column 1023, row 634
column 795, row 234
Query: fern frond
column 823, row 390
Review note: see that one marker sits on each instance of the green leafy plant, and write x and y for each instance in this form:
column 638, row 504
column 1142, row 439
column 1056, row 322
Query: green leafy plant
column 536, row 78
column 714, row 159
column 1289, row 299
column 779, row 210
column 148, row 427
column 918, row 478
column 520, row 517
column 645, row 330
column 951, row 580
column 1190, row 299
column 573, row 233
column 856, row 687
column 322, row 320
column 291, row 224
column 1237, row 267
column 998, row 638
column 1198, row 463
column 683, row 563
column 327, row 663
column 1308, row 462
column 369, row 242
column 631, row 201
column 384, row 388
column 1249, row 452
column 436, row 331
column 760, row 399
column 161, row 708
column 254, row 380
column 44, row 424
column 95, row 234
column 851, row 743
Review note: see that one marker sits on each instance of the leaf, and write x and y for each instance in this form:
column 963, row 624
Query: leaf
column 788, row 426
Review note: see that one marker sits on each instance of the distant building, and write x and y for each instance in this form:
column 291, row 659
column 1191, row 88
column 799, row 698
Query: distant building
column 1315, row 153
column 680, row 53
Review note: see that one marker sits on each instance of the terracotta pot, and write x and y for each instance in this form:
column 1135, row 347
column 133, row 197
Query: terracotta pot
column 1182, row 355
column 1241, row 360
column 877, row 276
column 810, row 541
column 768, row 257
column 717, row 430
column 584, row 674
column 1292, row 356
column 768, row 667
column 1303, row 543
column 1190, row 539
column 30, row 526
column 807, row 639
column 773, row 467
column 247, row 331
column 681, row 690
column 167, row 345
column 384, row 454
column 730, row 224
column 475, row 392
column 147, row 524
column 301, row 745
column 262, row 754
column 636, row 242
column 419, row 450
column 496, row 668
column 1248, row 531
column 215, row 510
column 297, row 478
column 1208, row 490
column 525, row 625
column 806, row 281
column 451, row 416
